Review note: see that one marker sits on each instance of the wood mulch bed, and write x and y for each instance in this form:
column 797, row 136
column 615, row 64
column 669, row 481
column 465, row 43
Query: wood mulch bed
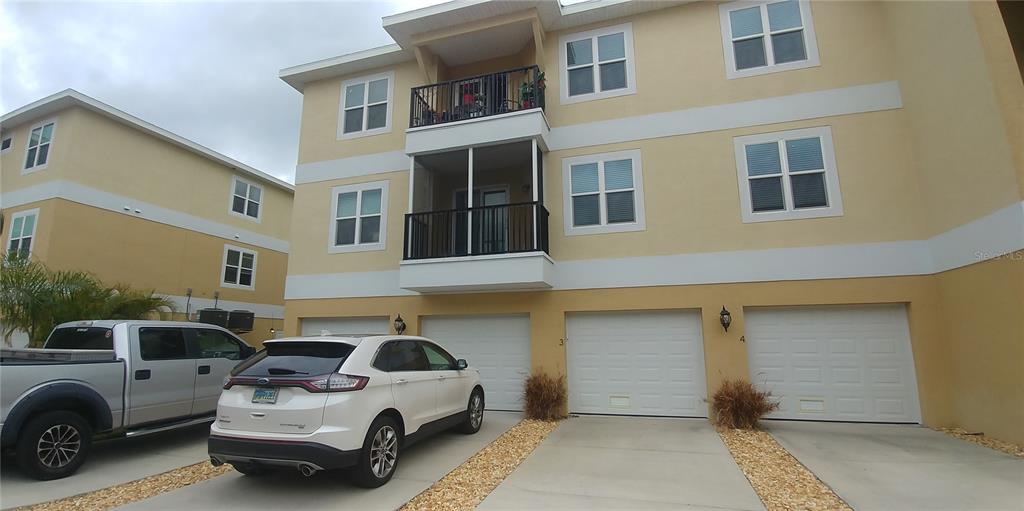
column 470, row 483
column 979, row 438
column 122, row 494
column 782, row 482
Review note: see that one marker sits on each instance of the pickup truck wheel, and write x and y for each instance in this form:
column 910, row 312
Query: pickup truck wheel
column 54, row 445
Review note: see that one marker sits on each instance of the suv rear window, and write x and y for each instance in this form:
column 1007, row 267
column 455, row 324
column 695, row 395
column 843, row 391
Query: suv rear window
column 80, row 338
column 296, row 358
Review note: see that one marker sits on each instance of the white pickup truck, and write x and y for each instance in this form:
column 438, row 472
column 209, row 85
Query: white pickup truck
column 109, row 378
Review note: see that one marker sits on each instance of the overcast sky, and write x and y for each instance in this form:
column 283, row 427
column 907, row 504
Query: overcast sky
column 204, row 70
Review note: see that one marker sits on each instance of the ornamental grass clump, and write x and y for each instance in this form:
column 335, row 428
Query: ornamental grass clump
column 544, row 397
column 738, row 405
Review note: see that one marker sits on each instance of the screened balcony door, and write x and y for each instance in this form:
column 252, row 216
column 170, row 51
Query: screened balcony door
column 490, row 225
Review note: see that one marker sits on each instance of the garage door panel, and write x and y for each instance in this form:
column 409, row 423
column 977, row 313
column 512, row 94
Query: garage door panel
column 346, row 325
column 860, row 370
column 498, row 346
column 636, row 363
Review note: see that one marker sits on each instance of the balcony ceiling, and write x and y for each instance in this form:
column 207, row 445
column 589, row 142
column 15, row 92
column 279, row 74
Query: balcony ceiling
column 484, row 44
column 489, row 157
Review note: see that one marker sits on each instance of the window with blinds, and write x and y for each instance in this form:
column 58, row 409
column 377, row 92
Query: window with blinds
column 788, row 175
column 604, row 193
column 764, row 37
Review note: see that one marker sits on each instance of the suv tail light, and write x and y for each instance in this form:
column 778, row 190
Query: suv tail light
column 334, row 382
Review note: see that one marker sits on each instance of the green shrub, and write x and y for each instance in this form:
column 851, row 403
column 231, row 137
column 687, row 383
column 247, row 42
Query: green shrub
column 738, row 405
column 544, row 397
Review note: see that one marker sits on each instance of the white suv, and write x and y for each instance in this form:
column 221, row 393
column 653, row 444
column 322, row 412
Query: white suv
column 332, row 402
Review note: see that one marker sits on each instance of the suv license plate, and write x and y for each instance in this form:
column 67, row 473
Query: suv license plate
column 265, row 395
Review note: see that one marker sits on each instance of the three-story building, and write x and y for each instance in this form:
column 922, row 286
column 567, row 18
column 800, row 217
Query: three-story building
column 651, row 197
column 88, row 187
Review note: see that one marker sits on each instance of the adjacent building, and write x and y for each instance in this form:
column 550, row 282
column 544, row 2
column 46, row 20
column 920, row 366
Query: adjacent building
column 88, row 187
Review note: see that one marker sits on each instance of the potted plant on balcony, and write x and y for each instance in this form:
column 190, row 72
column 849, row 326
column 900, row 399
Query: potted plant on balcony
column 529, row 92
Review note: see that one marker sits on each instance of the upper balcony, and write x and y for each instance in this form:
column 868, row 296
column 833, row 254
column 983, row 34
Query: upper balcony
column 477, row 97
column 494, row 108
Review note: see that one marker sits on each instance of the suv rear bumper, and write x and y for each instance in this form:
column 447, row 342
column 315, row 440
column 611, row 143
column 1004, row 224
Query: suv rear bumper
column 280, row 453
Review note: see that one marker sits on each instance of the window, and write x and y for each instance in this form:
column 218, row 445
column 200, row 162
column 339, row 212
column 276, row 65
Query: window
column 788, row 175
column 239, row 268
column 767, row 37
column 597, row 64
column 366, row 106
column 38, row 152
column 403, row 356
column 23, row 232
column 216, row 344
column 296, row 357
column 245, row 198
column 358, row 217
column 604, row 193
column 80, row 338
column 438, row 358
column 5, row 143
column 162, row 344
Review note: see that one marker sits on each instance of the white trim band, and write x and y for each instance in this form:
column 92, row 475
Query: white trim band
column 858, row 99
column 364, row 165
column 796, row 107
column 989, row 237
column 75, row 192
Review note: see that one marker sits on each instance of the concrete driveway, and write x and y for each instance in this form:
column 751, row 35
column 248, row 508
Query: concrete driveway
column 627, row 463
column 876, row 466
column 421, row 466
column 112, row 462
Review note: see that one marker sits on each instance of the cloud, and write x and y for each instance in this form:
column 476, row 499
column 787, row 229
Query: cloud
column 206, row 71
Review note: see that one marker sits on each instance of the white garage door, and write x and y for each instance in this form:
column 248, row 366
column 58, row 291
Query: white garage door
column 341, row 326
column 835, row 363
column 636, row 363
column 499, row 346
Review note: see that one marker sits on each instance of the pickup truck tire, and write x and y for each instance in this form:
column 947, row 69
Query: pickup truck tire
column 53, row 445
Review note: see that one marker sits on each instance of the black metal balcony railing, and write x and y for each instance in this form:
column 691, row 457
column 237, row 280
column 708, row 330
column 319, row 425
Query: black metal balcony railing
column 504, row 229
column 477, row 96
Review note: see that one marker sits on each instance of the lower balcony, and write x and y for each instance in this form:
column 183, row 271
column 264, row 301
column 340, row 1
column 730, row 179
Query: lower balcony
column 484, row 248
column 491, row 231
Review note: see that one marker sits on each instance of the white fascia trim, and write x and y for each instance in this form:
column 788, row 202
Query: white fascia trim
column 355, row 166
column 71, row 97
column 858, row 99
column 74, row 192
column 344, row 285
column 990, row 237
column 484, row 131
column 261, row 310
column 796, row 107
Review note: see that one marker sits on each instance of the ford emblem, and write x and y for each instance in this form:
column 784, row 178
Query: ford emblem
column 263, row 381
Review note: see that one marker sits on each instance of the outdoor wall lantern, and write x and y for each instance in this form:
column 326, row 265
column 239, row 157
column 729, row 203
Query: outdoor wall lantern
column 399, row 325
column 725, row 318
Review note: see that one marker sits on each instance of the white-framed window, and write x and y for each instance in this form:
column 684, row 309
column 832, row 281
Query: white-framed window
column 23, row 232
column 37, row 151
column 597, row 64
column 239, row 268
column 604, row 193
column 788, row 175
column 358, row 217
column 366, row 106
column 246, row 199
column 6, row 142
column 761, row 37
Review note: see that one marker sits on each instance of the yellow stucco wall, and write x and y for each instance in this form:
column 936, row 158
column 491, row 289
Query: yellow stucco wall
column 100, row 153
column 725, row 355
column 983, row 321
column 145, row 254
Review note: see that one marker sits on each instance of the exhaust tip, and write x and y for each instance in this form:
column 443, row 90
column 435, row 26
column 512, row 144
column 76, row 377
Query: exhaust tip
column 307, row 470
column 215, row 462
